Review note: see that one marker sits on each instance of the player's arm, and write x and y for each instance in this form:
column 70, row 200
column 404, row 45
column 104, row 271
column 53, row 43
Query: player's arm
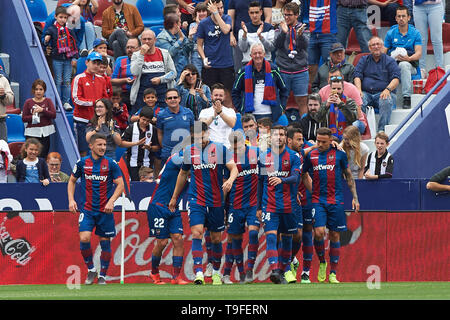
column 117, row 193
column 307, row 181
column 352, row 185
column 181, row 180
column 70, row 194
column 231, row 166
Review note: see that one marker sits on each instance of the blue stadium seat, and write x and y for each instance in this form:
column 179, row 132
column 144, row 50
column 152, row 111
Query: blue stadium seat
column 238, row 124
column 37, row 9
column 157, row 29
column 151, row 12
column 15, row 127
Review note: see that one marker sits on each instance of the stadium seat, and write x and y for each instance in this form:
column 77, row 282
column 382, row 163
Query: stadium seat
column 238, row 124
column 353, row 44
column 15, row 147
column 151, row 12
column 358, row 56
column 157, row 29
column 37, row 9
column 102, row 5
column 15, row 127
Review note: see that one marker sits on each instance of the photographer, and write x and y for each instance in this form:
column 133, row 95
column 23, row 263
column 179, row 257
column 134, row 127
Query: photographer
column 338, row 110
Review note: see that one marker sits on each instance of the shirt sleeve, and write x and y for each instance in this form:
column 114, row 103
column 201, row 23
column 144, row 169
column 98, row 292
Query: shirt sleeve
column 441, row 175
column 115, row 170
column 77, row 169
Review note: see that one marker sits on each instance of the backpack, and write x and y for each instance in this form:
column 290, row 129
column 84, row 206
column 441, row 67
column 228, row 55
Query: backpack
column 433, row 77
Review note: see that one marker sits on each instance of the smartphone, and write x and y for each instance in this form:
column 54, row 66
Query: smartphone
column 198, row 84
column 148, row 137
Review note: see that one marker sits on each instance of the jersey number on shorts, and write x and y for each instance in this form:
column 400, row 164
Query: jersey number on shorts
column 158, row 222
column 266, row 216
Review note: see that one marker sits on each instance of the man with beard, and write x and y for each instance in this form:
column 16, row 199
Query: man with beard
column 220, row 119
column 309, row 123
column 120, row 22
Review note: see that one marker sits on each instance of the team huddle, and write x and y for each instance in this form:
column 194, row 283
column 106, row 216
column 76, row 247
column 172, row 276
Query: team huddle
column 291, row 189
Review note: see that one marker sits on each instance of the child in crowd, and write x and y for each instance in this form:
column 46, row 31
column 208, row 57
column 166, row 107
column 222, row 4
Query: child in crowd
column 103, row 72
column 62, row 45
column 32, row 168
column 264, row 125
column 146, row 174
column 380, row 163
column 150, row 99
column 120, row 110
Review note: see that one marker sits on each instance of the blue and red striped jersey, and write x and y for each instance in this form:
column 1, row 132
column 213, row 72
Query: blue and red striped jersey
column 283, row 197
column 327, row 170
column 244, row 192
column 305, row 197
column 323, row 16
column 207, row 172
column 96, row 181
column 167, row 179
column 122, row 70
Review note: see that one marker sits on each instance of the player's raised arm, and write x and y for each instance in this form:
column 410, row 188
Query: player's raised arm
column 352, row 185
column 181, row 180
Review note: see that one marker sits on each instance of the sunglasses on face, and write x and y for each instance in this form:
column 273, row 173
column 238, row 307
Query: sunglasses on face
column 172, row 98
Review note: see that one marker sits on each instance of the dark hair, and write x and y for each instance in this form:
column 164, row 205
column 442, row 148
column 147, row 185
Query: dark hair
column 192, row 69
column 38, row 82
column 173, row 89
column 96, row 136
column 147, row 112
column 204, row 127
column 29, row 141
column 278, row 127
column 292, row 131
column 149, row 91
column 248, row 117
column 104, row 61
column 217, row 86
column 293, row 7
column 60, row 10
column 254, row 4
column 170, row 20
column 135, row 38
column 170, row 8
column 201, row 6
column 315, row 96
column 109, row 114
column 266, row 122
column 324, row 131
column 116, row 91
column 401, row 8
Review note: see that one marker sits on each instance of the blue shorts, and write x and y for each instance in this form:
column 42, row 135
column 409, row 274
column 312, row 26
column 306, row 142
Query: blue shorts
column 213, row 218
column 282, row 222
column 307, row 214
column 299, row 217
column 319, row 46
column 103, row 222
column 238, row 217
column 297, row 82
column 162, row 222
column 330, row 215
column 80, row 135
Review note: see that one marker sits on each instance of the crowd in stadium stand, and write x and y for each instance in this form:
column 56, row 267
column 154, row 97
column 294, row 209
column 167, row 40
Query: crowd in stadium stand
column 262, row 59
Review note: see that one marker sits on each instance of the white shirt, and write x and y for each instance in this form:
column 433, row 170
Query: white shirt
column 218, row 129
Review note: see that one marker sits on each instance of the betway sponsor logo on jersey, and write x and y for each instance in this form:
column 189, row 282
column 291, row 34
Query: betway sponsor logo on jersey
column 204, row 166
column 278, row 174
column 95, row 177
column 323, row 167
column 247, row 172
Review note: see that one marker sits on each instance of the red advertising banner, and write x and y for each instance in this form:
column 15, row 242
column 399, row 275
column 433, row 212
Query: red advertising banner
column 43, row 248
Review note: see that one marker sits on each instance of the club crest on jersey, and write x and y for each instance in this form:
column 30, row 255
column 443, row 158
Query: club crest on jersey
column 184, row 117
column 330, row 157
column 104, row 167
column 285, row 162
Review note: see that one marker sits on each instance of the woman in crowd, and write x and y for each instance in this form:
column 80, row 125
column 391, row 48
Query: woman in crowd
column 356, row 151
column 54, row 161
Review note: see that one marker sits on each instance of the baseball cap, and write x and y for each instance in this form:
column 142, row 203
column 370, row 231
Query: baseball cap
column 98, row 42
column 94, row 56
column 337, row 47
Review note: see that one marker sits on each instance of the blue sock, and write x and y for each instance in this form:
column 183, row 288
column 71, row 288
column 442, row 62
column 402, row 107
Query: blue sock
column 216, row 255
column 285, row 254
column 177, row 262
column 307, row 250
column 105, row 256
column 86, row 253
column 238, row 254
column 252, row 248
column 271, row 251
column 197, row 254
column 229, row 259
column 155, row 264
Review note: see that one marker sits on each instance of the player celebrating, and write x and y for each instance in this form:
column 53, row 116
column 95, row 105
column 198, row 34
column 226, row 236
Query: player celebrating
column 98, row 174
column 279, row 172
column 164, row 223
column 328, row 165
column 243, row 201
column 206, row 161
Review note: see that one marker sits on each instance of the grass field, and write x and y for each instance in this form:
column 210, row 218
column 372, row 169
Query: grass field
column 258, row 291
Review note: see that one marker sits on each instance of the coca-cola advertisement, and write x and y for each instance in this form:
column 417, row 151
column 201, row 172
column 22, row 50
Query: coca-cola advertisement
column 40, row 248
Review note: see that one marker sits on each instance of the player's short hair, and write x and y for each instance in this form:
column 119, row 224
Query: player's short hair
column 383, row 136
column 266, row 122
column 292, row 131
column 96, row 136
column 324, row 131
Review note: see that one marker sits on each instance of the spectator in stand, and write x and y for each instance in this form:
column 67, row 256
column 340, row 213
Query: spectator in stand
column 259, row 87
column 292, row 58
column 309, row 123
column 104, row 73
column 238, row 12
column 323, row 29
column 356, row 151
column 87, row 88
column 88, row 10
column 6, row 99
column 173, row 118
column 219, row 118
column 350, row 91
column 38, row 114
column 277, row 12
column 437, row 181
column 377, row 75
column 338, row 110
column 255, row 31
column 213, row 45
column 64, row 54
column 353, row 14
column 100, row 46
column 141, row 139
column 380, row 163
column 103, row 122
column 428, row 15
column 54, row 161
column 173, row 40
column 250, row 128
column 146, row 174
column 186, row 10
column 194, row 94
column 404, row 36
column 387, row 8
column 336, row 60
column 119, row 109
column 5, row 161
column 200, row 13
column 120, row 22
column 152, row 67
column 150, row 100
column 122, row 75
column 264, row 127
column 31, row 168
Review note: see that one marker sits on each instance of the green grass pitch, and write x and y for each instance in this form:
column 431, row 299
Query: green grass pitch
column 257, row 291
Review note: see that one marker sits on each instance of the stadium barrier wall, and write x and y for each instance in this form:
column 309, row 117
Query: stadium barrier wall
column 43, row 248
